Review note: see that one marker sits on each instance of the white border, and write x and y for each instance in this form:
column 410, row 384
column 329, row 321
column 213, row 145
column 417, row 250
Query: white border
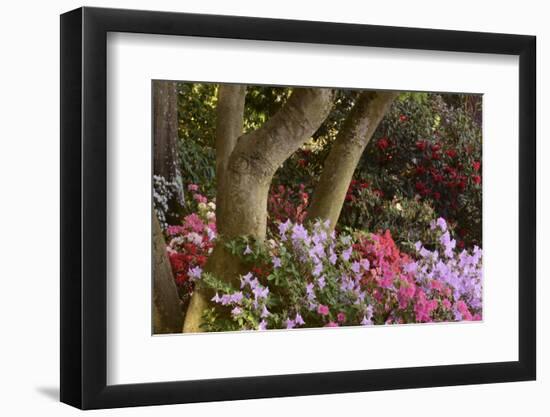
column 134, row 356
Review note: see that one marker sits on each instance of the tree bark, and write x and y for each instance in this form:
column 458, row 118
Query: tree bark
column 250, row 169
column 360, row 125
column 229, row 127
column 167, row 313
column 229, row 124
column 165, row 144
column 165, row 108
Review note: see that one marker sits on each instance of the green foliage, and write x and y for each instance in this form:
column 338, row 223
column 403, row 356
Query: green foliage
column 197, row 113
column 198, row 164
column 408, row 219
column 425, row 148
column 261, row 103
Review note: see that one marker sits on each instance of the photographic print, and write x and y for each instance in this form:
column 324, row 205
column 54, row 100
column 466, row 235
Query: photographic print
column 278, row 207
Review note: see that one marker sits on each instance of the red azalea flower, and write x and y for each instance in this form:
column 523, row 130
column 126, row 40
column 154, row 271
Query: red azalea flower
column 364, row 185
column 420, row 170
column 421, row 145
column 435, row 147
column 302, row 162
column 476, row 165
column 437, row 177
column 436, row 156
column 403, row 118
column 420, row 186
column 451, row 153
column 477, row 179
column 436, row 196
column 383, row 144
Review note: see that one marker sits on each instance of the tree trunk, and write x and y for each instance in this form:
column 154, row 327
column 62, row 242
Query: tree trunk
column 360, row 125
column 229, row 124
column 165, row 144
column 167, row 313
column 229, row 127
column 250, row 169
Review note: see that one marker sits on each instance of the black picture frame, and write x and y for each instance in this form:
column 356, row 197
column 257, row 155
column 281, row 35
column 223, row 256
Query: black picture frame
column 84, row 207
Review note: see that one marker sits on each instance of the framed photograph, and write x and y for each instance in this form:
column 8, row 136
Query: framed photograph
column 257, row 208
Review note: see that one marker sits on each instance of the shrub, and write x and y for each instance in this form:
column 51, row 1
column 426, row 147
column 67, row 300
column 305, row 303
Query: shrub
column 191, row 242
column 407, row 218
column 428, row 150
column 312, row 278
column 163, row 193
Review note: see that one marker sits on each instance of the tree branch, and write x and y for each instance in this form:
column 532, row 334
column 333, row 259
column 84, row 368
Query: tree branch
column 359, row 126
column 266, row 148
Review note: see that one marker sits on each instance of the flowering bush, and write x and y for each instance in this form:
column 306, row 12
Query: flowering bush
column 408, row 219
column 164, row 192
column 285, row 203
column 461, row 271
column 428, row 149
column 312, row 278
column 190, row 243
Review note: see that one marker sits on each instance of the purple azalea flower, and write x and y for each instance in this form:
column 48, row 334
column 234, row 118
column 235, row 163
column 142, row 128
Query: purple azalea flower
column 367, row 318
column 299, row 320
column 356, row 267
column 321, row 282
column 262, row 325
column 310, row 292
column 290, row 324
column 247, row 251
column 195, row 273
column 366, row 321
column 260, row 292
column 265, row 312
column 317, row 269
column 283, row 227
column 216, row 298
column 236, row 311
column 442, row 224
column 299, row 232
column 245, row 279
column 347, row 254
column 365, row 264
column 236, row 297
column 332, row 258
column 276, row 262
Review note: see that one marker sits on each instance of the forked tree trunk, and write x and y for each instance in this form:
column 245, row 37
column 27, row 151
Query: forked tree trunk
column 359, row 126
column 250, row 169
column 167, row 312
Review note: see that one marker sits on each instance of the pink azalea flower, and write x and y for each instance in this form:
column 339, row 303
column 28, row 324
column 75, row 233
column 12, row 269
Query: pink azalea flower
column 322, row 310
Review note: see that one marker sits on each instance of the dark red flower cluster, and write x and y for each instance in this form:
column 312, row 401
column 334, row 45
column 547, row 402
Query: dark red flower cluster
column 355, row 188
column 440, row 175
column 285, row 202
column 191, row 256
